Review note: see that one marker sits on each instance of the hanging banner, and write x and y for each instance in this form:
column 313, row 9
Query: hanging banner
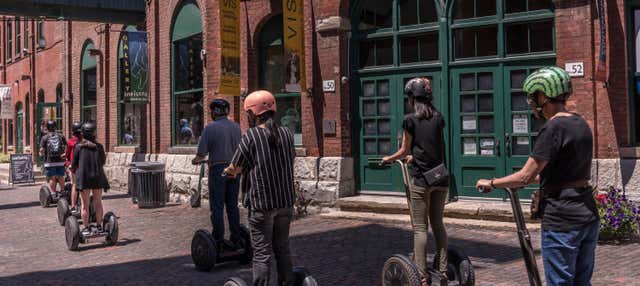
column 135, row 67
column 294, row 45
column 6, row 111
column 230, row 54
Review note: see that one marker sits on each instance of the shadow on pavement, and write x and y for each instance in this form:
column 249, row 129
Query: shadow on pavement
column 344, row 256
column 101, row 244
column 37, row 203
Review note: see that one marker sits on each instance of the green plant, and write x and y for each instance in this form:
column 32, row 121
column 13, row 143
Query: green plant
column 619, row 217
column 4, row 158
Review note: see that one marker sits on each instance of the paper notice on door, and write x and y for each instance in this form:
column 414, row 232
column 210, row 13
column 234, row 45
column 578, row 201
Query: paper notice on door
column 520, row 124
column 486, row 143
column 469, row 123
column 470, row 147
column 522, row 141
column 486, row 152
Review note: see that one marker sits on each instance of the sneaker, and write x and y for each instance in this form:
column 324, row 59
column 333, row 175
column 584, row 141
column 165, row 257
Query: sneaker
column 86, row 231
column 75, row 211
column 98, row 228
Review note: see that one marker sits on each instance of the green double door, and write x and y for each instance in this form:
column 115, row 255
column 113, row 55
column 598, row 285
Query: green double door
column 490, row 129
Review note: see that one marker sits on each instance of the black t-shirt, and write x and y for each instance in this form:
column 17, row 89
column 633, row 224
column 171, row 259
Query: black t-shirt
column 566, row 143
column 427, row 147
column 50, row 159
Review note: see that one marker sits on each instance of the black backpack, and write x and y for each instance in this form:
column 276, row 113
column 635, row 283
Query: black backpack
column 55, row 147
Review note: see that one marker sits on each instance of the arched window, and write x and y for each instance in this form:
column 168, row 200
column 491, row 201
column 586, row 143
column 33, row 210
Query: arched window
column 40, row 95
column 187, row 88
column 132, row 113
column 272, row 76
column 88, row 85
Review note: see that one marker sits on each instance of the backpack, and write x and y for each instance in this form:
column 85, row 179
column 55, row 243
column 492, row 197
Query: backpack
column 55, row 147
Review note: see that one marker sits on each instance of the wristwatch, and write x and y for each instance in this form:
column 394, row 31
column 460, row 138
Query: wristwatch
column 491, row 184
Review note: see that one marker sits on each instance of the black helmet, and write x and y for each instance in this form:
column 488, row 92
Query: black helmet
column 76, row 128
column 219, row 107
column 419, row 88
column 51, row 125
column 89, row 130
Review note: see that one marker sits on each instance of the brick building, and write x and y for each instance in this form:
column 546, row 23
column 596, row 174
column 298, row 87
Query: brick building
column 477, row 53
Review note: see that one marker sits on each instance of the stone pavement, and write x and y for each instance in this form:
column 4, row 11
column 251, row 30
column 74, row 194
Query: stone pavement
column 154, row 249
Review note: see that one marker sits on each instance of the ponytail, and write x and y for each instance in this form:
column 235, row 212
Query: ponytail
column 272, row 127
column 423, row 108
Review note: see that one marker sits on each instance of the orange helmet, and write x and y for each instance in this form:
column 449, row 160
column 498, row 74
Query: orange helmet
column 260, row 102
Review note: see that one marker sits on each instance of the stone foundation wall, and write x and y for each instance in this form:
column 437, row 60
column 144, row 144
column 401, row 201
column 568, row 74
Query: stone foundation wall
column 322, row 180
column 620, row 173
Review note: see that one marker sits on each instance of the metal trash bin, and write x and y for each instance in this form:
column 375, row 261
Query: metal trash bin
column 147, row 184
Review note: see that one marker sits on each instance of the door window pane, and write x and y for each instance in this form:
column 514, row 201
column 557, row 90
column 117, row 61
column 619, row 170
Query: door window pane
column 487, row 146
column 370, row 127
column 519, row 101
column 132, row 123
column 485, row 103
column 485, row 81
column 469, row 124
column 369, row 108
column 541, row 36
column 468, row 103
column 384, row 127
column 485, row 124
column 384, row 108
column 383, row 88
column 370, row 147
column 369, row 89
column 188, row 118
column 517, row 78
column 376, row 14
column 469, row 146
column 467, row 82
column 520, row 145
column 385, row 147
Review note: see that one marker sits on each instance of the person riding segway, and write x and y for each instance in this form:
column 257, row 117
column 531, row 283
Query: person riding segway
column 76, row 128
column 52, row 147
column 218, row 141
column 561, row 163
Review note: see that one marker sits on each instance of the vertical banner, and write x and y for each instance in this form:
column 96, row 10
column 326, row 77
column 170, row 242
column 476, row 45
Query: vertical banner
column 230, row 54
column 135, row 65
column 294, row 45
column 6, row 111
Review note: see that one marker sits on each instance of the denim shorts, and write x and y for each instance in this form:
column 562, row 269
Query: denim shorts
column 54, row 171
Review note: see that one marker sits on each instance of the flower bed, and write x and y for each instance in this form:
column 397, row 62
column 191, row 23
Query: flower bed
column 619, row 217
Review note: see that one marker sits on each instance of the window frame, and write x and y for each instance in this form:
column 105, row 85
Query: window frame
column 83, row 70
column 26, row 33
column 9, row 35
column 18, row 35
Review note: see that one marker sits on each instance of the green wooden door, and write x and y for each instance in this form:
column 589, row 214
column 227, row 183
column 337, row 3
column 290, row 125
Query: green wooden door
column 477, row 127
column 19, row 131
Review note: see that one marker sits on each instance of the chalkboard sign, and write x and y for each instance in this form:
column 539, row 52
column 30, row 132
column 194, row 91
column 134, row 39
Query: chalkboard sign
column 21, row 169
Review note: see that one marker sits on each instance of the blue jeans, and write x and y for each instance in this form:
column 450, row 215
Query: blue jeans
column 569, row 257
column 223, row 191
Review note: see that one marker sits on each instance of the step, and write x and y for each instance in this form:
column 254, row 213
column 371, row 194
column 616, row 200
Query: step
column 462, row 209
column 448, row 221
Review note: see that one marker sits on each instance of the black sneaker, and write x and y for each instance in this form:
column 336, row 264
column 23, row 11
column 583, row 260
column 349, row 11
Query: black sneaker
column 86, row 231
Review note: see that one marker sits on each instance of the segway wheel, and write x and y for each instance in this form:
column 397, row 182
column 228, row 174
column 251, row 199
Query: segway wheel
column 459, row 268
column 110, row 225
column 203, row 250
column 303, row 277
column 399, row 270
column 63, row 211
column 72, row 233
column 45, row 196
column 235, row 281
column 245, row 236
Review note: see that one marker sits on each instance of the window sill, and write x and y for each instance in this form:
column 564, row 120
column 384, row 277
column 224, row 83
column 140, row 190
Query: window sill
column 126, row 149
column 301, row 152
column 184, row 150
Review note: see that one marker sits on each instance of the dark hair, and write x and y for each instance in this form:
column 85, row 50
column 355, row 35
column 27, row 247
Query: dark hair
column 272, row 128
column 423, row 108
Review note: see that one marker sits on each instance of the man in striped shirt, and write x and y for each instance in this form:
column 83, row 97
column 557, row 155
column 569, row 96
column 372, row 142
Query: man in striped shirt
column 266, row 153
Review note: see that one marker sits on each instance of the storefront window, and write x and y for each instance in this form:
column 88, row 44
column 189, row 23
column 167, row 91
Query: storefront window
column 89, row 86
column 187, row 106
column 272, row 77
column 133, row 88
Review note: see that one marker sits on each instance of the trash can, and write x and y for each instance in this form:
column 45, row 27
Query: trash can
column 147, row 184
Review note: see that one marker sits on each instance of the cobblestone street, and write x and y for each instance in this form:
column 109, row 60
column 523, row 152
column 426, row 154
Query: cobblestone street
column 154, row 248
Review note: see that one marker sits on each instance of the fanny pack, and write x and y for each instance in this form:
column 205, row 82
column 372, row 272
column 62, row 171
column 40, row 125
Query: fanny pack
column 436, row 175
column 574, row 191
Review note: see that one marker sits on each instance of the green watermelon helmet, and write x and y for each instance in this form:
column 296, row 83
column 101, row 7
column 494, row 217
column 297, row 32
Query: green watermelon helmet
column 553, row 81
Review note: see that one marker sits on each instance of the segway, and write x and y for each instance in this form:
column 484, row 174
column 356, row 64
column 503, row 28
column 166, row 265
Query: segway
column 523, row 236
column 302, row 277
column 74, row 236
column 47, row 197
column 401, row 270
column 64, row 210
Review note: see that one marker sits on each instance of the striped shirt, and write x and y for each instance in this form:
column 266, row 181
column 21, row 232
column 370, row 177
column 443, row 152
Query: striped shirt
column 270, row 169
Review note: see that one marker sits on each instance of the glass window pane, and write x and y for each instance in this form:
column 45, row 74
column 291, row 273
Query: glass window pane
column 369, row 89
column 383, row 88
column 90, row 114
column 131, row 123
column 367, row 57
column 487, row 146
column 272, row 68
column 409, row 50
column 541, row 36
column 517, row 39
column 517, row 78
column 428, row 12
column 188, row 118
column 429, row 47
column 384, row 52
column 469, row 124
column 427, row 44
column 467, row 82
column 89, row 87
column 376, row 14
column 485, row 124
column 370, row 147
column 469, row 146
column 369, row 108
column 468, row 103
column 370, row 127
column 384, row 127
column 514, row 6
column 485, row 103
column 464, row 9
column 485, row 81
column 519, row 101
column 408, row 12
column 539, row 5
column 384, row 108
column 485, row 8
column 290, row 115
column 487, row 41
column 187, row 63
column 385, row 147
column 465, row 43
column 520, row 145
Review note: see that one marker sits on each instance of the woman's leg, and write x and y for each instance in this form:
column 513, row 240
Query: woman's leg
column 84, row 202
column 261, row 227
column 281, row 250
column 436, row 212
column 97, row 204
column 74, row 192
column 419, row 211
